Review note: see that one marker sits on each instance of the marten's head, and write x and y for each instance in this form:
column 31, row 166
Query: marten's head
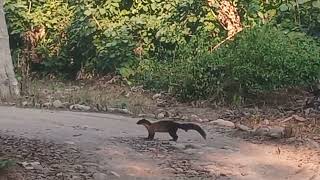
column 143, row 122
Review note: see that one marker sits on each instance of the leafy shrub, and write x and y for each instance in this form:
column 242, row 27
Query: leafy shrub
column 173, row 37
column 100, row 36
column 261, row 59
column 302, row 15
column 6, row 163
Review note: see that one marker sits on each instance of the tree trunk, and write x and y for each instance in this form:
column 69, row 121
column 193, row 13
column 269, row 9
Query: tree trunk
column 8, row 83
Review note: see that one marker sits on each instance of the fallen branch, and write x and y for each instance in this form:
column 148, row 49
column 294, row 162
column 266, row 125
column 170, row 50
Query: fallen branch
column 228, row 38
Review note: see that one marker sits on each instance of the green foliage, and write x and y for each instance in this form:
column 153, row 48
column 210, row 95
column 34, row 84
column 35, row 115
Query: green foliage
column 5, row 163
column 266, row 59
column 290, row 15
column 260, row 59
column 303, row 15
column 100, row 36
column 55, row 15
column 173, row 37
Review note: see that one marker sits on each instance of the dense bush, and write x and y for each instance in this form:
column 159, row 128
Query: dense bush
column 259, row 59
column 102, row 36
column 301, row 15
column 164, row 44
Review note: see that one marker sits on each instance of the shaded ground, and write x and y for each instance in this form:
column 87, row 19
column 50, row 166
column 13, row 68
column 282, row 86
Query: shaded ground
column 71, row 145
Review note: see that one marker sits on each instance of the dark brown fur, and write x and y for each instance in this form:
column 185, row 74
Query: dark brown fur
column 169, row 127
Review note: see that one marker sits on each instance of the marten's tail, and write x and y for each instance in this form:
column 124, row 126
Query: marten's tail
column 191, row 126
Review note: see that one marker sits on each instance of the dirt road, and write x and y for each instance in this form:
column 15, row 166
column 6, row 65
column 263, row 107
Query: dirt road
column 113, row 147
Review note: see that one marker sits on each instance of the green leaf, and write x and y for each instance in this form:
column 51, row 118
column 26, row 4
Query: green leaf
column 87, row 12
column 316, row 4
column 102, row 11
column 153, row 6
column 115, row 5
column 302, row 1
column 145, row 8
column 272, row 12
column 283, row 7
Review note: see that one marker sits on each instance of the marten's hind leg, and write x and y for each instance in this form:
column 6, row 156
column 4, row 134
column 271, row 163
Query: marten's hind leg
column 173, row 134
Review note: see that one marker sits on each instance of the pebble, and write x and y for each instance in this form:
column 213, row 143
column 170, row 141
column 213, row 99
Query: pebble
column 100, row 176
column 161, row 115
column 243, row 127
column 79, row 107
column 276, row 132
column 222, row 122
column 57, row 104
column 156, row 96
column 24, row 103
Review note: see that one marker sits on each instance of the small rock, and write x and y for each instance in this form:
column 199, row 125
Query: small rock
column 156, row 96
column 307, row 111
column 178, row 146
column 243, row 127
column 57, row 104
column 90, row 164
column 205, row 120
column 179, row 169
column 79, row 107
column 262, row 131
column 66, row 104
column 32, row 165
column 36, row 165
column 290, row 112
column 183, row 117
column 128, row 94
column 118, row 110
column 75, row 88
column 276, row 132
column 11, row 103
column 75, row 177
column 222, row 122
column 161, row 115
column 146, row 115
column 196, row 118
column 115, row 174
column 313, row 144
column 316, row 138
column 25, row 103
column 26, row 165
column 100, row 176
column 47, row 104
column 95, row 109
column 291, row 140
column 266, row 122
column 161, row 103
column 59, row 174
column 78, row 167
column 70, row 142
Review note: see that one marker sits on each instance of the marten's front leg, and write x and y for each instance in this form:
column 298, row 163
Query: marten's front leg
column 173, row 134
column 151, row 134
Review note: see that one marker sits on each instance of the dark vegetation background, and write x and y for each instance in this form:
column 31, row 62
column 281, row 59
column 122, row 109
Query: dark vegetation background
column 164, row 45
